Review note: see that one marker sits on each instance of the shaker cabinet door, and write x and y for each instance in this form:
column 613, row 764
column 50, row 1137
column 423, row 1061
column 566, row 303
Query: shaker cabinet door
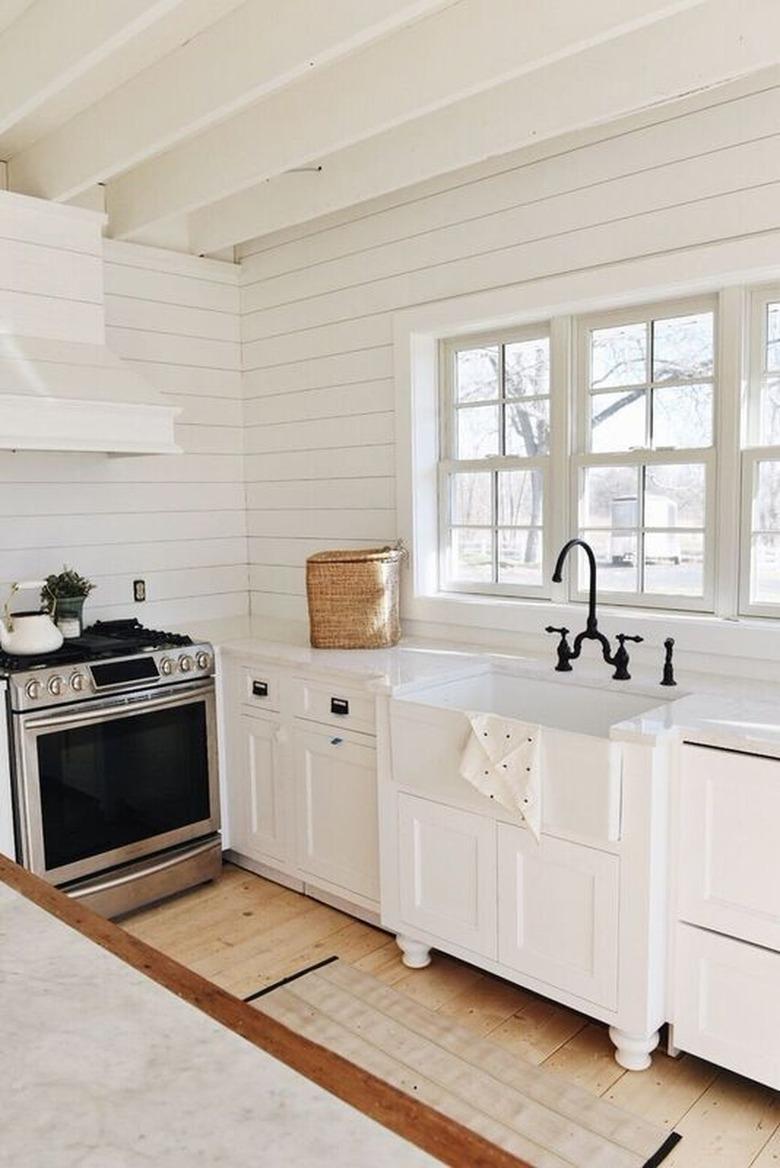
column 447, row 873
column 257, row 798
column 558, row 913
column 336, row 809
column 729, row 860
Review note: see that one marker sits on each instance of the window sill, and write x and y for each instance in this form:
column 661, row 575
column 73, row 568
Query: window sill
column 701, row 634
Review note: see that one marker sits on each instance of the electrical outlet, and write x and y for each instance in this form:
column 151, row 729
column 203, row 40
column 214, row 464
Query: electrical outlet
column 139, row 589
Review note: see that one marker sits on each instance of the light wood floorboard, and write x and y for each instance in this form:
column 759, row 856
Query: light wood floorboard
column 245, row 933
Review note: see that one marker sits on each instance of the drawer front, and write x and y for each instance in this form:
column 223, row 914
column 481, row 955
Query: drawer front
column 351, row 709
column 259, row 687
column 727, row 1005
column 729, row 855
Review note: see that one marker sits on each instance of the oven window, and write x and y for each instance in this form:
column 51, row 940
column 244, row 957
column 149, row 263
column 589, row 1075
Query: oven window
column 122, row 781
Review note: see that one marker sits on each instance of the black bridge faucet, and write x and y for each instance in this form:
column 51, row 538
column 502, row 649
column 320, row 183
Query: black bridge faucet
column 568, row 653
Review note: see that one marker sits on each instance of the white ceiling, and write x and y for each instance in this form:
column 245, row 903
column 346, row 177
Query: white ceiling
column 209, row 122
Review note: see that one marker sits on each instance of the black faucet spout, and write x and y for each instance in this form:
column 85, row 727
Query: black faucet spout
column 592, row 622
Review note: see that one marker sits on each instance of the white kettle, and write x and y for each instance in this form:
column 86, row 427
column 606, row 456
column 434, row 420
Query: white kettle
column 25, row 633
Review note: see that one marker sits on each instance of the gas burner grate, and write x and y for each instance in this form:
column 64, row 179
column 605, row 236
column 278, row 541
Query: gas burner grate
column 101, row 640
column 132, row 633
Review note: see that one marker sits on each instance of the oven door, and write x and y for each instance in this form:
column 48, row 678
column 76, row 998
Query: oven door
column 102, row 783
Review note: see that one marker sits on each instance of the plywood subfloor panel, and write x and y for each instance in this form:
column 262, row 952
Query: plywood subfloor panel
column 246, row 932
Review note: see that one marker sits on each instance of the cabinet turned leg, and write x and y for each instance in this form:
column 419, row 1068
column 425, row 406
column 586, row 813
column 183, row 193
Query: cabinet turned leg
column 633, row 1050
column 416, row 954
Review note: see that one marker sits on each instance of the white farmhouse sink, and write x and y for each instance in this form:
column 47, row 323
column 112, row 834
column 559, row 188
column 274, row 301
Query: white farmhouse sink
column 561, row 705
column 581, row 766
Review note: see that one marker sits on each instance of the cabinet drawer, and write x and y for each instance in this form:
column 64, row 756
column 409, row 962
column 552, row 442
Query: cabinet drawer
column 727, row 1006
column 729, row 856
column 259, row 687
column 318, row 701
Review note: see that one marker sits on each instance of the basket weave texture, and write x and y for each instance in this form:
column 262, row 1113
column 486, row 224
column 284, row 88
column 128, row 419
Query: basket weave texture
column 353, row 598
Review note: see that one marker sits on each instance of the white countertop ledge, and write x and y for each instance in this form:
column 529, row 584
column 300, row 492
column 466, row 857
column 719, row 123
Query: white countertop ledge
column 717, row 711
column 108, row 1069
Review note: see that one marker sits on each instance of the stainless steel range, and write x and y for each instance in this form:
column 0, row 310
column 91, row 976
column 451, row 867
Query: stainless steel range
column 114, row 764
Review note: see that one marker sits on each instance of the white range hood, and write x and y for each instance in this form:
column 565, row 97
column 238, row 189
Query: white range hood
column 61, row 387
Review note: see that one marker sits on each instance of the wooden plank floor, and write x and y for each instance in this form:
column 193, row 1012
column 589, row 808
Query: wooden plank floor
column 245, row 932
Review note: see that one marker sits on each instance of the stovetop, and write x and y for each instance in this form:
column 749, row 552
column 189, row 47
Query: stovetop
column 103, row 639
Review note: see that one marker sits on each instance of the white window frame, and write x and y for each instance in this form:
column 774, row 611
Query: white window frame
column 449, row 464
column 727, row 268
column 752, row 453
column 582, row 457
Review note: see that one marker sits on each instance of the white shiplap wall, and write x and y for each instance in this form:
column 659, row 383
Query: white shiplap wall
column 318, row 301
column 176, row 521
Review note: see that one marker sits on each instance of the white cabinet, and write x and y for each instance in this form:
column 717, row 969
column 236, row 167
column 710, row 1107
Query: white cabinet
column 727, row 1005
column 447, row 873
column 336, row 812
column 258, row 795
column 558, row 913
column 729, row 859
column 300, row 781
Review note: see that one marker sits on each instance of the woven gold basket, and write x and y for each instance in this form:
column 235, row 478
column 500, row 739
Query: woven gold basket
column 353, row 598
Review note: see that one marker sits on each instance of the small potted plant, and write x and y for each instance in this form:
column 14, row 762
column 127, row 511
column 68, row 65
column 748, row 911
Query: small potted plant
column 64, row 594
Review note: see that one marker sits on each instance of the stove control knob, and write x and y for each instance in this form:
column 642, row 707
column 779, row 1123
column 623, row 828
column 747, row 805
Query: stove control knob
column 33, row 689
column 55, row 685
column 185, row 663
column 77, row 682
column 203, row 660
column 167, row 666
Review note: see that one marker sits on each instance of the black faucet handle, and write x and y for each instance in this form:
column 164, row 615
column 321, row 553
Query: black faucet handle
column 620, row 659
column 668, row 674
column 564, row 650
column 623, row 637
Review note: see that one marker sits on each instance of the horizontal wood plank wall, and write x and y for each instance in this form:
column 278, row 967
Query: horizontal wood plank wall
column 317, row 301
column 178, row 521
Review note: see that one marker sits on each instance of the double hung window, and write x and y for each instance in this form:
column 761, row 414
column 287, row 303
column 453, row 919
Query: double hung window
column 761, row 461
column 493, row 477
column 610, row 432
column 645, row 471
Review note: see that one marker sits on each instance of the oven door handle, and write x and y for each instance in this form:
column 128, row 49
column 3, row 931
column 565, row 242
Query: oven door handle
column 116, row 707
column 89, row 888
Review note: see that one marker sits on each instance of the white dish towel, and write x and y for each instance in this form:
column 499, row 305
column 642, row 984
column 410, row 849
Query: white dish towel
column 501, row 759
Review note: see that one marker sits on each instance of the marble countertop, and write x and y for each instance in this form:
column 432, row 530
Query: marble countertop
column 718, row 711
column 107, row 1069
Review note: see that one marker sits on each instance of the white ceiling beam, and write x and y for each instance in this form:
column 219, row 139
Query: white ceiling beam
column 259, row 47
column 54, row 42
column 463, row 50
column 596, row 86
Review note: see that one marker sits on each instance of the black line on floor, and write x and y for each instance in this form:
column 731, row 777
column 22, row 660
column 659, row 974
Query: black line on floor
column 292, row 977
column 664, row 1150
